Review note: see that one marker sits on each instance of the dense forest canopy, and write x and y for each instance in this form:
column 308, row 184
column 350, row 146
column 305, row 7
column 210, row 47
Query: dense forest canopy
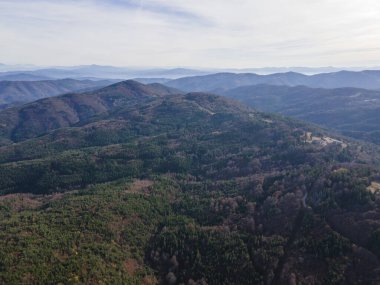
column 141, row 184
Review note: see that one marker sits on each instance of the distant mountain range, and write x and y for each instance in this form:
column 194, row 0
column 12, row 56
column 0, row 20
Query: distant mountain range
column 31, row 72
column 369, row 79
column 259, row 70
column 355, row 112
column 22, row 77
column 100, row 72
column 27, row 91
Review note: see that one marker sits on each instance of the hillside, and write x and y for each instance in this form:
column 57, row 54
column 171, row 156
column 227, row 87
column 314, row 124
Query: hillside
column 369, row 79
column 354, row 112
column 138, row 184
column 38, row 117
column 27, row 91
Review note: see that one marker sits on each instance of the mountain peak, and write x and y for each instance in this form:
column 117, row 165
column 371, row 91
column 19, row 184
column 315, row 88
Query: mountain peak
column 51, row 113
column 132, row 87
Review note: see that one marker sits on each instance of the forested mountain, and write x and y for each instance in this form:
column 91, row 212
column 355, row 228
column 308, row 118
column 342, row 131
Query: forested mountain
column 139, row 184
column 38, row 117
column 354, row 112
column 368, row 79
column 27, row 91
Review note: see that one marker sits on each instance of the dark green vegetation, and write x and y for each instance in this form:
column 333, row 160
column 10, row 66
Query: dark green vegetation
column 353, row 112
column 136, row 184
column 27, row 91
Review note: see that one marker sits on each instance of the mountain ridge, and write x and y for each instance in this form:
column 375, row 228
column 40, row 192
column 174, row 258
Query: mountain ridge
column 61, row 111
column 352, row 111
column 367, row 79
column 27, row 91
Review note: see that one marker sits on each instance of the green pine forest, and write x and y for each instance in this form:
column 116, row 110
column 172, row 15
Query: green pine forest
column 142, row 184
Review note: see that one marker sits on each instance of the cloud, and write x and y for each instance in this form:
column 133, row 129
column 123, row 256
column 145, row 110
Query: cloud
column 213, row 33
column 158, row 8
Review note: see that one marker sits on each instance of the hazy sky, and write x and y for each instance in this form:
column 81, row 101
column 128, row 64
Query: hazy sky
column 198, row 33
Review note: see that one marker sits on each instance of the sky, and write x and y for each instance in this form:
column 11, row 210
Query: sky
column 191, row 33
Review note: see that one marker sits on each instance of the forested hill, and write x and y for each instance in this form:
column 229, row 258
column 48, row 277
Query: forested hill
column 38, row 117
column 352, row 111
column 139, row 184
